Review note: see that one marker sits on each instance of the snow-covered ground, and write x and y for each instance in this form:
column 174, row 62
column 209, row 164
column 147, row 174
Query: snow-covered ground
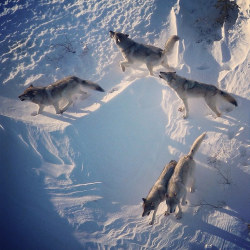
column 75, row 181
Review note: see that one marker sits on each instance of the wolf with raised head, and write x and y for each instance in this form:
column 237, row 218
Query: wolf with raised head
column 62, row 90
column 186, row 88
column 158, row 192
column 137, row 52
column 182, row 178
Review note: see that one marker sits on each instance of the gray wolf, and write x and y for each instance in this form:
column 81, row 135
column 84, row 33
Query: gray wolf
column 158, row 192
column 148, row 54
column 182, row 178
column 62, row 90
column 185, row 88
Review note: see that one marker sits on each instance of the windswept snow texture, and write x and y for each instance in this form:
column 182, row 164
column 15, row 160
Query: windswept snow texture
column 75, row 181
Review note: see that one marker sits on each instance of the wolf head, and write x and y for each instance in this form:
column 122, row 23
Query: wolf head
column 28, row 94
column 148, row 206
column 172, row 201
column 118, row 36
column 168, row 76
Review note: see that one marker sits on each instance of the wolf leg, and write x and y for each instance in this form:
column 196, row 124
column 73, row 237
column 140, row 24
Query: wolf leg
column 66, row 106
column 56, row 106
column 192, row 177
column 167, row 213
column 40, row 109
column 150, row 68
column 186, row 108
column 211, row 103
column 192, row 187
column 153, row 217
column 183, row 201
column 192, row 184
column 165, row 64
column 179, row 214
column 124, row 64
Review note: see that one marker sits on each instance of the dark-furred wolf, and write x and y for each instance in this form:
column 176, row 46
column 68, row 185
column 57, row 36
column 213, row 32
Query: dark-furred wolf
column 150, row 55
column 62, row 90
column 158, row 192
column 186, row 88
column 182, row 178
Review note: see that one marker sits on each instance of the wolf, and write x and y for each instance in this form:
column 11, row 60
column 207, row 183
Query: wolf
column 150, row 55
column 186, row 88
column 182, row 178
column 64, row 89
column 158, row 192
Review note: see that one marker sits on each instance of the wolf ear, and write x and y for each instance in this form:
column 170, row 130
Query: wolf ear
column 144, row 200
column 31, row 86
column 111, row 33
column 126, row 35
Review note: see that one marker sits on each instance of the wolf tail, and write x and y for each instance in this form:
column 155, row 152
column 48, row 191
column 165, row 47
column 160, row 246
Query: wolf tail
column 169, row 45
column 194, row 148
column 229, row 98
column 92, row 85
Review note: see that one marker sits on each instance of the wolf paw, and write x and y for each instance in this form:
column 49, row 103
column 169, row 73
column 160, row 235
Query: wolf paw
column 123, row 68
column 166, row 213
column 60, row 112
column 178, row 216
column 151, row 223
column 34, row 113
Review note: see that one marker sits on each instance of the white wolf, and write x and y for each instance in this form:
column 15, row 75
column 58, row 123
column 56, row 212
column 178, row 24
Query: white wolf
column 64, row 89
column 182, row 177
column 148, row 54
column 158, row 192
column 185, row 88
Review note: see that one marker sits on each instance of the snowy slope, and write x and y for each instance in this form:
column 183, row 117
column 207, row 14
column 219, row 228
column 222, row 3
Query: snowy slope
column 76, row 181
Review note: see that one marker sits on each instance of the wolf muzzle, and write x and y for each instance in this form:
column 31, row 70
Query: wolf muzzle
column 21, row 98
column 172, row 210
